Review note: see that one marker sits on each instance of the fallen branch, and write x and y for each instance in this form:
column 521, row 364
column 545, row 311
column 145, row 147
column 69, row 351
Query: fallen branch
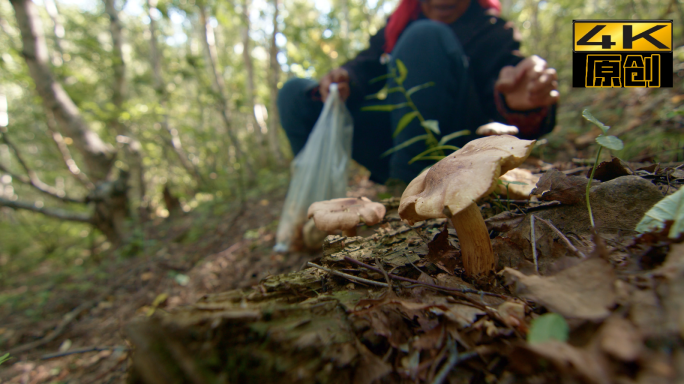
column 436, row 286
column 347, row 276
column 82, row 350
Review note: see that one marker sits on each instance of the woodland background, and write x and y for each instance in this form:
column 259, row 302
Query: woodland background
column 168, row 108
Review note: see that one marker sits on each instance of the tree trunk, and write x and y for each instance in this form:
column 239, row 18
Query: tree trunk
column 160, row 88
column 208, row 40
column 98, row 155
column 274, row 72
column 111, row 207
column 132, row 146
column 58, row 29
column 249, row 67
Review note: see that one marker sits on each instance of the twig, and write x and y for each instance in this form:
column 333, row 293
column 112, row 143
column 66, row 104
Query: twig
column 406, row 279
column 82, row 350
column 562, row 236
column 384, row 273
column 454, row 358
column 32, row 178
column 534, row 244
column 66, row 154
column 576, row 170
column 347, row 276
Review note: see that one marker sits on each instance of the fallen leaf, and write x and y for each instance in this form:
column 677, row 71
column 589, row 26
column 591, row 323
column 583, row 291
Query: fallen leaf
column 586, row 365
column 609, row 170
column 584, row 291
column 555, row 185
column 442, row 253
column 620, row 339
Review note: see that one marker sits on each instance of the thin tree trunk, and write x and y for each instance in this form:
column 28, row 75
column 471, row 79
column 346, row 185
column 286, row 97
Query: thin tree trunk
column 274, row 74
column 208, row 40
column 98, row 155
column 249, row 67
column 132, row 146
column 58, row 29
column 160, row 88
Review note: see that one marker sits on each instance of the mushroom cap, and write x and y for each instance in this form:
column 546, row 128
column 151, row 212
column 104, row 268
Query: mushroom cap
column 495, row 128
column 462, row 178
column 345, row 213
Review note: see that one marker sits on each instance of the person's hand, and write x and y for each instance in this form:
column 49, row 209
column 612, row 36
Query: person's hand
column 339, row 76
column 528, row 85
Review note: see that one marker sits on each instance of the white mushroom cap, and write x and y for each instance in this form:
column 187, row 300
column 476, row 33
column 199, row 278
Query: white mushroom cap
column 496, row 129
column 462, row 178
column 345, row 213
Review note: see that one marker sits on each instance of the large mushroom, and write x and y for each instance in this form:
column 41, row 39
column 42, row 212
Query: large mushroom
column 452, row 187
column 345, row 213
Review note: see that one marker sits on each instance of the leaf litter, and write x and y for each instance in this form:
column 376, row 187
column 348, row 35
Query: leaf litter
column 616, row 315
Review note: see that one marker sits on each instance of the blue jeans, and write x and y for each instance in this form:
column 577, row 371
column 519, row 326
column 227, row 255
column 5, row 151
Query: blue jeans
column 431, row 53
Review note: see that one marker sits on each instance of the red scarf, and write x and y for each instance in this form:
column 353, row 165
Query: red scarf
column 409, row 10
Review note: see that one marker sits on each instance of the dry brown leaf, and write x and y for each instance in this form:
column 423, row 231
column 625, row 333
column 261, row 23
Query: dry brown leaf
column 505, row 221
column 584, row 291
column 371, row 367
column 609, row 170
column 555, row 185
column 584, row 364
column 620, row 339
column 442, row 253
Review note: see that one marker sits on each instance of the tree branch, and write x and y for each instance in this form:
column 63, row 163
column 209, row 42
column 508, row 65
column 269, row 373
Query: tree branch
column 32, row 178
column 98, row 155
column 56, row 213
column 66, row 154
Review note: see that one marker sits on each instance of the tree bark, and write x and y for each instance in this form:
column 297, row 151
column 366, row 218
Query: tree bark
column 249, row 67
column 132, row 146
column 111, row 207
column 99, row 156
column 208, row 40
column 274, row 74
column 160, row 88
column 58, row 29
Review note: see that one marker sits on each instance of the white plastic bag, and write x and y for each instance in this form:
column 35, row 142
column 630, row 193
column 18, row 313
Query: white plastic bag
column 319, row 171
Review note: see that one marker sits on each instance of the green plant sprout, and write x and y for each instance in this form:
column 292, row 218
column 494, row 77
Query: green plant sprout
column 610, row 142
column 508, row 195
column 4, row 358
column 435, row 148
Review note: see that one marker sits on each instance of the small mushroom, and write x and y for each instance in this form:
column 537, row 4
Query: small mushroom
column 495, row 128
column 345, row 213
column 452, row 187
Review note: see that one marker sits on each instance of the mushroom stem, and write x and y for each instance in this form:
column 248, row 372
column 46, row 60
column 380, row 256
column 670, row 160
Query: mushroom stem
column 476, row 248
column 351, row 232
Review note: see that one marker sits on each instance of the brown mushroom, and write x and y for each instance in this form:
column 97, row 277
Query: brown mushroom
column 452, row 187
column 345, row 213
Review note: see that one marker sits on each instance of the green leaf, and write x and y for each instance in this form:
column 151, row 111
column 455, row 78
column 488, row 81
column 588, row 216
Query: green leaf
column 384, row 108
column 4, row 358
column 671, row 208
column 404, row 121
column 404, row 144
column 610, row 142
column 452, row 136
column 432, row 125
column 418, row 88
column 383, row 77
column 587, row 115
column 421, row 155
column 403, row 72
column 549, row 326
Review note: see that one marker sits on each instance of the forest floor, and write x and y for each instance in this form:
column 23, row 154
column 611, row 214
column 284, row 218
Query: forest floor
column 224, row 246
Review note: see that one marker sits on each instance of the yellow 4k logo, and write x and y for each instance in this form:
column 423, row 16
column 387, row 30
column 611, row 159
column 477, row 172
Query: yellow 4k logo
column 622, row 53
